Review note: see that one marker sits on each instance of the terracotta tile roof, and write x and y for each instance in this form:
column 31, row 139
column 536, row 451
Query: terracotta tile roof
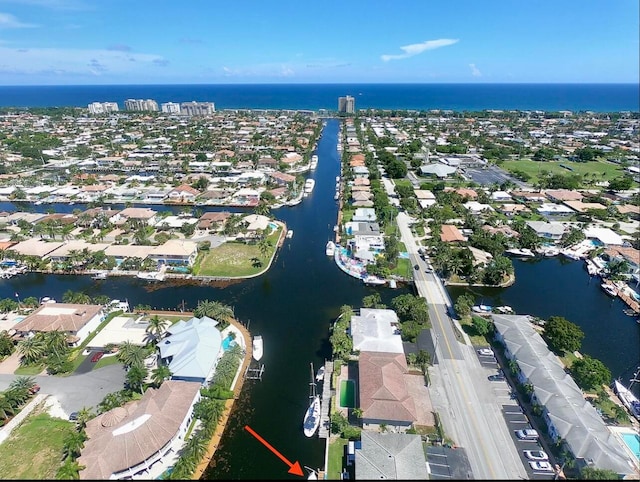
column 450, row 234
column 67, row 317
column 126, row 436
column 383, row 391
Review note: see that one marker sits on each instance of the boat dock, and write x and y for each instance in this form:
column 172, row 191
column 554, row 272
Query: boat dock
column 324, row 430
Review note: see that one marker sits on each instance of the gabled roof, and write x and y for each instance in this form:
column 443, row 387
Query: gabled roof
column 396, row 456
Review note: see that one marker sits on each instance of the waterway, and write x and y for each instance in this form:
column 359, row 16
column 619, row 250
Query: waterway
column 294, row 303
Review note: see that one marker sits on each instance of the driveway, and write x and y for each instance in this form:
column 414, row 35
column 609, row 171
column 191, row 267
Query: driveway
column 75, row 392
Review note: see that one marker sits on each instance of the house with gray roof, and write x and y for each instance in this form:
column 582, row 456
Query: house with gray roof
column 395, row 456
column 192, row 349
column 439, row 170
column 569, row 417
column 548, row 230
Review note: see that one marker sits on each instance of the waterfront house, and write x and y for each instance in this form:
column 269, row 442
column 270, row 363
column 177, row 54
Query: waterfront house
column 137, row 440
column 213, row 221
column 35, row 247
column 246, row 197
column 353, row 228
column 191, row 349
column 175, row 252
column 548, row 230
column 480, row 258
column 76, row 320
column 281, row 178
column 364, row 214
column 141, row 215
column 360, row 172
column 72, row 249
column 183, row 193
column 384, row 395
column 376, row 330
column 120, row 252
column 605, row 236
column 570, row 420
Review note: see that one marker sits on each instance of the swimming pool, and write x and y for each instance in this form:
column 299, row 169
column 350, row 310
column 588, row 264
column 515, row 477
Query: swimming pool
column 347, row 394
column 632, row 440
column 18, row 319
column 228, row 342
column 273, row 226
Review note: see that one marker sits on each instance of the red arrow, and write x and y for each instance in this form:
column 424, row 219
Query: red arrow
column 294, row 468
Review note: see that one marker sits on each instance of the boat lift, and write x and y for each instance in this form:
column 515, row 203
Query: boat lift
column 254, row 373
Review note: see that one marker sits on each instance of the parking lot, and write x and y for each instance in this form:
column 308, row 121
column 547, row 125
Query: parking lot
column 513, row 414
column 490, row 175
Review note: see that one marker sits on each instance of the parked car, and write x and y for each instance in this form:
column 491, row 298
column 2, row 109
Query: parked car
column 496, row 378
column 541, row 465
column 96, row 356
column 536, row 455
column 34, row 389
column 485, row 352
column 73, row 416
column 527, row 434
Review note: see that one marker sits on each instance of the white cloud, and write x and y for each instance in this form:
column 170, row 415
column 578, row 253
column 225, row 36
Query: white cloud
column 27, row 61
column 475, row 71
column 9, row 21
column 415, row 49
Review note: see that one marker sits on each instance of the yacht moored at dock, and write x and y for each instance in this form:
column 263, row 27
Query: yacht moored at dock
column 314, row 162
column 330, row 249
column 309, row 184
column 257, row 347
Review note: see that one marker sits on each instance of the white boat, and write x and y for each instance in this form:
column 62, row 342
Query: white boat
column 628, row 399
column 373, row 280
column 314, row 162
column 521, row 252
column 505, row 310
column 257, row 347
column 481, row 308
column 609, row 288
column 336, row 196
column 320, row 374
column 592, row 269
column 309, row 184
column 330, row 249
column 311, row 420
column 290, row 233
column 151, row 275
column 100, row 275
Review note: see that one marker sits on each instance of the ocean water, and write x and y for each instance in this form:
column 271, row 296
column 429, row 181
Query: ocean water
column 456, row 97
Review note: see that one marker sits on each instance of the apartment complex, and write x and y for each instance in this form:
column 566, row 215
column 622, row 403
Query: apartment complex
column 347, row 105
column 141, row 104
column 103, row 107
column 197, row 108
column 170, row 108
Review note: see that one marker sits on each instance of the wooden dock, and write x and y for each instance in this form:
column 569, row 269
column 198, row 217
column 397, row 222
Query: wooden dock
column 324, row 431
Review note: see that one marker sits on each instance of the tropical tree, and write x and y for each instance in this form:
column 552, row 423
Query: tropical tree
column 73, row 443
column 160, row 374
column 214, row 309
column 131, row 355
column 69, row 470
column 135, row 378
column 157, row 326
column 562, row 335
column 31, row 350
column 590, row 373
column 6, row 407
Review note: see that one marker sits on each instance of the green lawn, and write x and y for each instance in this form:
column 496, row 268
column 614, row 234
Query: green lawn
column 336, row 456
column 604, row 170
column 34, row 449
column 235, row 259
column 29, row 370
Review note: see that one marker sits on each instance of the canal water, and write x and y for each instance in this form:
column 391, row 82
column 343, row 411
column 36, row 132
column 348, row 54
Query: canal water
column 293, row 305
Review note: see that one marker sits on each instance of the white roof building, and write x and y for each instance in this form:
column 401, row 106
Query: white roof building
column 376, row 330
column 604, row 235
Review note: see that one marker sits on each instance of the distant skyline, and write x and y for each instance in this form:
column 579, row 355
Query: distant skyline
column 78, row 42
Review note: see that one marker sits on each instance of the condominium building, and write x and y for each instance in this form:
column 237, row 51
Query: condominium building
column 347, row 105
column 170, row 107
column 141, row 104
column 102, row 107
column 197, row 108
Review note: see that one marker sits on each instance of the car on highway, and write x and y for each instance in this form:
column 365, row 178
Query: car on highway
column 527, row 434
column 536, row 454
column 485, row 352
column 541, row 465
column 416, row 267
column 498, row 377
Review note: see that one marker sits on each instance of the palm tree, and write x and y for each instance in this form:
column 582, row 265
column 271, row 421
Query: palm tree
column 131, row 355
column 214, row 309
column 32, row 350
column 84, row 415
column 73, row 444
column 264, row 246
column 197, row 446
column 160, row 374
column 157, row 326
column 56, row 342
column 135, row 378
column 69, row 470
column 6, row 407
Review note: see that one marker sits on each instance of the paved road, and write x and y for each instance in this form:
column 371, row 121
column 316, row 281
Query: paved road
column 460, row 391
column 77, row 391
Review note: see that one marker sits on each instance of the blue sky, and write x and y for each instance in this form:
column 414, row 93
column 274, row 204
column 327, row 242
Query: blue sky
column 70, row 42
